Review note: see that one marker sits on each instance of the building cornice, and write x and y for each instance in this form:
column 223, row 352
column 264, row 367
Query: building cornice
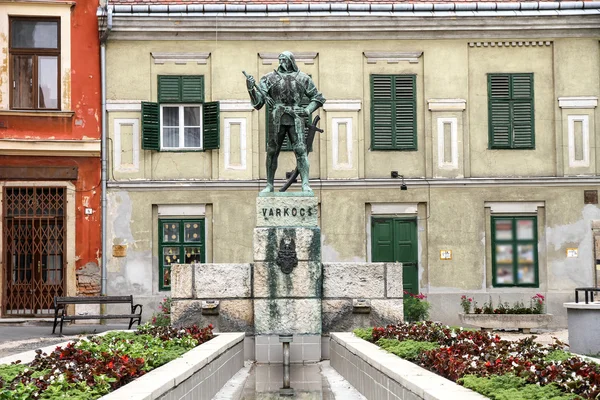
column 54, row 148
column 527, row 23
column 318, row 184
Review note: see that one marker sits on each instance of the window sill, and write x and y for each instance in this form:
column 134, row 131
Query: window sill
column 35, row 113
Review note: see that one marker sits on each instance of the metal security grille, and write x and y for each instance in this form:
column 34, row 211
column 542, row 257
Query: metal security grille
column 34, row 249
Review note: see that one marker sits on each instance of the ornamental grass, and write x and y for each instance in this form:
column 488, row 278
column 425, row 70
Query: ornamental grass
column 497, row 368
column 89, row 369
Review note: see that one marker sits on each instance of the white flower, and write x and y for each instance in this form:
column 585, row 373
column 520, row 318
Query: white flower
column 515, row 364
column 453, row 334
column 473, row 364
column 532, row 368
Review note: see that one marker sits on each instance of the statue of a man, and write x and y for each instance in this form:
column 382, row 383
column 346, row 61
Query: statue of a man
column 283, row 89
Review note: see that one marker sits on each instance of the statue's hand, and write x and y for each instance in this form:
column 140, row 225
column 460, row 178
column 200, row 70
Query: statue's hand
column 250, row 82
column 300, row 111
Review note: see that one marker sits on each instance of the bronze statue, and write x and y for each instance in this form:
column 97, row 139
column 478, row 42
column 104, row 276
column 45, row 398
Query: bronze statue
column 283, row 90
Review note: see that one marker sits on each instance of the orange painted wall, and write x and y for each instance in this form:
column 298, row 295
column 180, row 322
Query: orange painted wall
column 87, row 239
column 85, row 124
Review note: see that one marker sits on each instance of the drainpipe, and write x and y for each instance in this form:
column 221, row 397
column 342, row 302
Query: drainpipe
column 104, row 138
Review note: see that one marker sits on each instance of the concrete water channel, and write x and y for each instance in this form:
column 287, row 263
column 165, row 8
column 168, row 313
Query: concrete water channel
column 317, row 381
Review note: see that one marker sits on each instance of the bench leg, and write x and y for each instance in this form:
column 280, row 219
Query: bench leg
column 61, row 324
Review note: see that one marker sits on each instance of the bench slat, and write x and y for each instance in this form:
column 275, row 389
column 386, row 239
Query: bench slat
column 108, row 316
column 93, row 300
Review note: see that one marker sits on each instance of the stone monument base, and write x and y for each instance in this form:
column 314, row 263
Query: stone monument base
column 287, row 277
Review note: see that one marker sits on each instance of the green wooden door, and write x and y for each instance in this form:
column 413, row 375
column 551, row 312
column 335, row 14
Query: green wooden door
column 395, row 240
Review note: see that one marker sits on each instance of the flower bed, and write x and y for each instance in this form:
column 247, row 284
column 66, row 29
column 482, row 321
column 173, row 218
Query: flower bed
column 497, row 368
column 504, row 315
column 89, row 369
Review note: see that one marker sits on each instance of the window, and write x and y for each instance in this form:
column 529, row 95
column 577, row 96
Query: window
column 514, row 251
column 393, row 112
column 180, row 120
column 180, row 242
column 511, row 114
column 34, row 63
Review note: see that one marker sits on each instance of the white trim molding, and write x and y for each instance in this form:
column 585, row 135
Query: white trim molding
column 585, row 140
column 578, row 102
column 392, row 57
column 441, row 145
column 235, row 105
column 305, row 57
column 181, row 210
column 510, row 207
column 73, row 148
column 513, row 43
column 180, row 58
column 124, row 105
column 447, row 104
column 393, row 208
column 227, row 143
column 342, row 105
column 135, row 143
column 335, row 142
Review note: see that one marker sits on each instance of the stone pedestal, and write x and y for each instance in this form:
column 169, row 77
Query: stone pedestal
column 287, row 279
column 584, row 323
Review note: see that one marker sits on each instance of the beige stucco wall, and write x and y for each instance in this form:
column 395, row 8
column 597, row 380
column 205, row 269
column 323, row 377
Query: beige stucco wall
column 451, row 216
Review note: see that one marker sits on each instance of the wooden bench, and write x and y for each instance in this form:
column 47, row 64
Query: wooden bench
column 60, row 309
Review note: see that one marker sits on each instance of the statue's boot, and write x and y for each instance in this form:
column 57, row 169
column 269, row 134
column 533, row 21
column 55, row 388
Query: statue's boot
column 268, row 189
column 306, row 188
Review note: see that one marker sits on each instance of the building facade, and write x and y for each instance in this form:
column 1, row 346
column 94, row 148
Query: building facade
column 49, row 154
column 459, row 140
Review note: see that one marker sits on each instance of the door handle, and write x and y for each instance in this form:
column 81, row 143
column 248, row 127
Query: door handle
column 39, row 267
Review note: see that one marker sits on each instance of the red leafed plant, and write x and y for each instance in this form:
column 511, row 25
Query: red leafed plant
column 483, row 354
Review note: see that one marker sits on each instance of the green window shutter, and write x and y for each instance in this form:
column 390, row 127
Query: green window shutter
column 169, row 88
column 393, row 112
column 500, row 125
column 522, row 111
column 211, row 125
column 382, row 115
column 511, row 112
column 382, row 236
column 406, row 112
column 150, row 126
column 192, row 89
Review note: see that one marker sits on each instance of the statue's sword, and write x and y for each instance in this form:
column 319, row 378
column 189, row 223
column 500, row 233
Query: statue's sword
column 310, row 137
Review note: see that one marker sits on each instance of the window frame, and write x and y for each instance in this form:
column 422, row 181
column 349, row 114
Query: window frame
column 35, row 53
column 181, row 244
column 394, row 101
column 511, row 101
column 515, row 242
column 182, row 127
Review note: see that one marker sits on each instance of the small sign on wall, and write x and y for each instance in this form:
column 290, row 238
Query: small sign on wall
column 572, row 253
column 445, row 254
column 119, row 250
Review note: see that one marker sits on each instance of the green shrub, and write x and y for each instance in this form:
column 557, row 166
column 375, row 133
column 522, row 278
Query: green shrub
column 408, row 349
column 364, row 333
column 416, row 308
column 510, row 387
